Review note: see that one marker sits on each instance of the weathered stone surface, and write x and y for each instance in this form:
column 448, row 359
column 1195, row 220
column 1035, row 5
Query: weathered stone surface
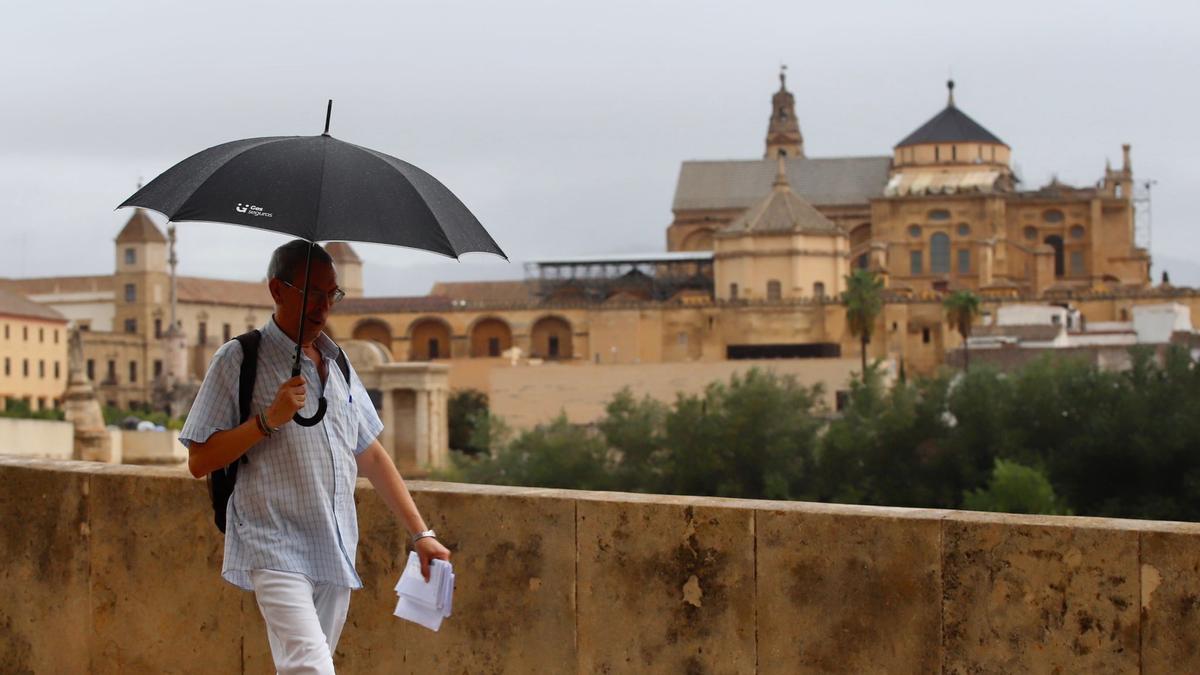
column 514, row 557
column 666, row 585
column 157, row 595
column 45, row 623
column 1170, row 601
column 848, row 590
column 116, row 569
column 1029, row 594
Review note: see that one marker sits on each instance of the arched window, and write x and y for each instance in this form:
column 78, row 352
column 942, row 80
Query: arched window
column 1056, row 243
column 818, row 290
column 939, row 253
column 774, row 290
column 1053, row 216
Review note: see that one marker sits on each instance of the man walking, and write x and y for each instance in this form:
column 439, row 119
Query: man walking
column 291, row 526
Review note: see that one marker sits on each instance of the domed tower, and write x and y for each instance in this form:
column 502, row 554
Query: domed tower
column 951, row 139
column 783, row 131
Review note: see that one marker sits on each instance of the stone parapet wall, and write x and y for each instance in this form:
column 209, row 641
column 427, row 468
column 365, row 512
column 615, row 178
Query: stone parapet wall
column 47, row 439
column 116, row 569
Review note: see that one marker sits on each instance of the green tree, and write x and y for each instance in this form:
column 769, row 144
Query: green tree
column 558, row 454
column 890, row 446
column 633, row 430
column 465, row 409
column 863, row 298
column 1015, row 488
column 961, row 309
column 754, row 437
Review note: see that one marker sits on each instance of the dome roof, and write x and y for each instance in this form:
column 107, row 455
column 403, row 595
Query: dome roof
column 951, row 125
column 782, row 210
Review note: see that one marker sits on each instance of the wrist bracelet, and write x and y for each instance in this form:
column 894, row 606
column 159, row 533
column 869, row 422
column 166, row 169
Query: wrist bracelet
column 423, row 535
column 264, row 426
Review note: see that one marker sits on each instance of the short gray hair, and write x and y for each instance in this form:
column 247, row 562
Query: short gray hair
column 287, row 262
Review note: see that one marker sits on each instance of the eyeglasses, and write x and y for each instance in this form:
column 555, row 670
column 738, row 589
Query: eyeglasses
column 332, row 297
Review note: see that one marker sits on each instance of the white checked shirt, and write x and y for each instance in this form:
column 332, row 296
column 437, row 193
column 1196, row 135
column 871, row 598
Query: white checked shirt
column 293, row 507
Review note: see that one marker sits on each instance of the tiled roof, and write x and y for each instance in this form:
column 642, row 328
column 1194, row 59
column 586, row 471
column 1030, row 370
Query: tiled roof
column 740, row 184
column 224, row 292
column 416, row 303
column 15, row 304
column 492, row 292
column 782, row 210
column 53, row 285
column 951, row 125
column 141, row 229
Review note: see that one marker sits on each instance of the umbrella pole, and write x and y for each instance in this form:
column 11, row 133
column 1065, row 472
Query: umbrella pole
column 303, row 312
column 320, row 414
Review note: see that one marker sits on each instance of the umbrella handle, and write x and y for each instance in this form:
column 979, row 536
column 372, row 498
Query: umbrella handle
column 315, row 419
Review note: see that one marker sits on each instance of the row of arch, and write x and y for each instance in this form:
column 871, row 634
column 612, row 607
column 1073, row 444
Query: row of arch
column 430, row 337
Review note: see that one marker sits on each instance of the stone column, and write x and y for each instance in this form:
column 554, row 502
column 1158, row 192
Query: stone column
column 1043, row 268
column 421, row 431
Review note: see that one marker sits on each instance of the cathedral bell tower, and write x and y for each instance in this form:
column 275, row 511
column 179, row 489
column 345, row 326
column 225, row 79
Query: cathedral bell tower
column 783, row 132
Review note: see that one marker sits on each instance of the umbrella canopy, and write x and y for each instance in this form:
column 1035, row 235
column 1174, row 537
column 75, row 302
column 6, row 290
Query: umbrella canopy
column 316, row 188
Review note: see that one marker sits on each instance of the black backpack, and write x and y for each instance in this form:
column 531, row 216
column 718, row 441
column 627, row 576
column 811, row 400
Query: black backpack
column 222, row 481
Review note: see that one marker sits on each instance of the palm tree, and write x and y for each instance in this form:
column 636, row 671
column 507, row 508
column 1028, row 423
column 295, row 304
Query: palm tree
column 961, row 309
column 864, row 301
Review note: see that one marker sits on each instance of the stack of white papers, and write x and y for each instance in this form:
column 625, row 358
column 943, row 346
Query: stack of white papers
column 425, row 603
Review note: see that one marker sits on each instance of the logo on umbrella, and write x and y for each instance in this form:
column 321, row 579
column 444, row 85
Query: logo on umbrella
column 252, row 210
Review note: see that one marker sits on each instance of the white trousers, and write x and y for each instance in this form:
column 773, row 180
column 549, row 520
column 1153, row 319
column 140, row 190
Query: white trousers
column 304, row 620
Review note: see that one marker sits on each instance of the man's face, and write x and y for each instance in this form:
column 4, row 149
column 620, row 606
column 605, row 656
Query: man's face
column 322, row 284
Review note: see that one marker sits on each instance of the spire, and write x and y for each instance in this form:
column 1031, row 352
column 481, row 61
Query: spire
column 950, row 97
column 783, row 131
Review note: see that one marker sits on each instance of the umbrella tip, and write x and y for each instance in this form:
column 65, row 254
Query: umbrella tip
column 328, row 113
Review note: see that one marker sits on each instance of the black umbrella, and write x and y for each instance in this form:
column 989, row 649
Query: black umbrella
column 317, row 188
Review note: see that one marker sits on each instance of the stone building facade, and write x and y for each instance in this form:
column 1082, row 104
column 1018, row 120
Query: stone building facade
column 125, row 317
column 33, row 352
column 943, row 211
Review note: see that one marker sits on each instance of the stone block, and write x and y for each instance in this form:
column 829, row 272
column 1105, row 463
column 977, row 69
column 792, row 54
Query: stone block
column 666, row 585
column 513, row 552
column 1038, row 594
column 45, row 622
column 158, row 601
column 1170, row 602
column 848, row 590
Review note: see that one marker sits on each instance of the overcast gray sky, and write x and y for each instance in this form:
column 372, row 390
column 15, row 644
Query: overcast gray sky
column 562, row 124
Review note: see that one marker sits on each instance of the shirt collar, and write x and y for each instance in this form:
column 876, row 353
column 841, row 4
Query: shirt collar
column 280, row 340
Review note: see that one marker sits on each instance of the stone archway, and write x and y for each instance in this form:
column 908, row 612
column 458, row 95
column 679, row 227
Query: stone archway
column 490, row 337
column 551, row 338
column 375, row 330
column 699, row 240
column 429, row 340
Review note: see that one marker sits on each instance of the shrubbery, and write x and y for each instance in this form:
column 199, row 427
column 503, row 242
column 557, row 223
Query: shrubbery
column 1056, row 437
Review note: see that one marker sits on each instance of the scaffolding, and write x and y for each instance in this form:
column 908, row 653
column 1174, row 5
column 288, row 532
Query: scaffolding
column 654, row 277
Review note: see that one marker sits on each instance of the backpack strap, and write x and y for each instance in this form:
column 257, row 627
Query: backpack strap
column 246, row 377
column 344, row 366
